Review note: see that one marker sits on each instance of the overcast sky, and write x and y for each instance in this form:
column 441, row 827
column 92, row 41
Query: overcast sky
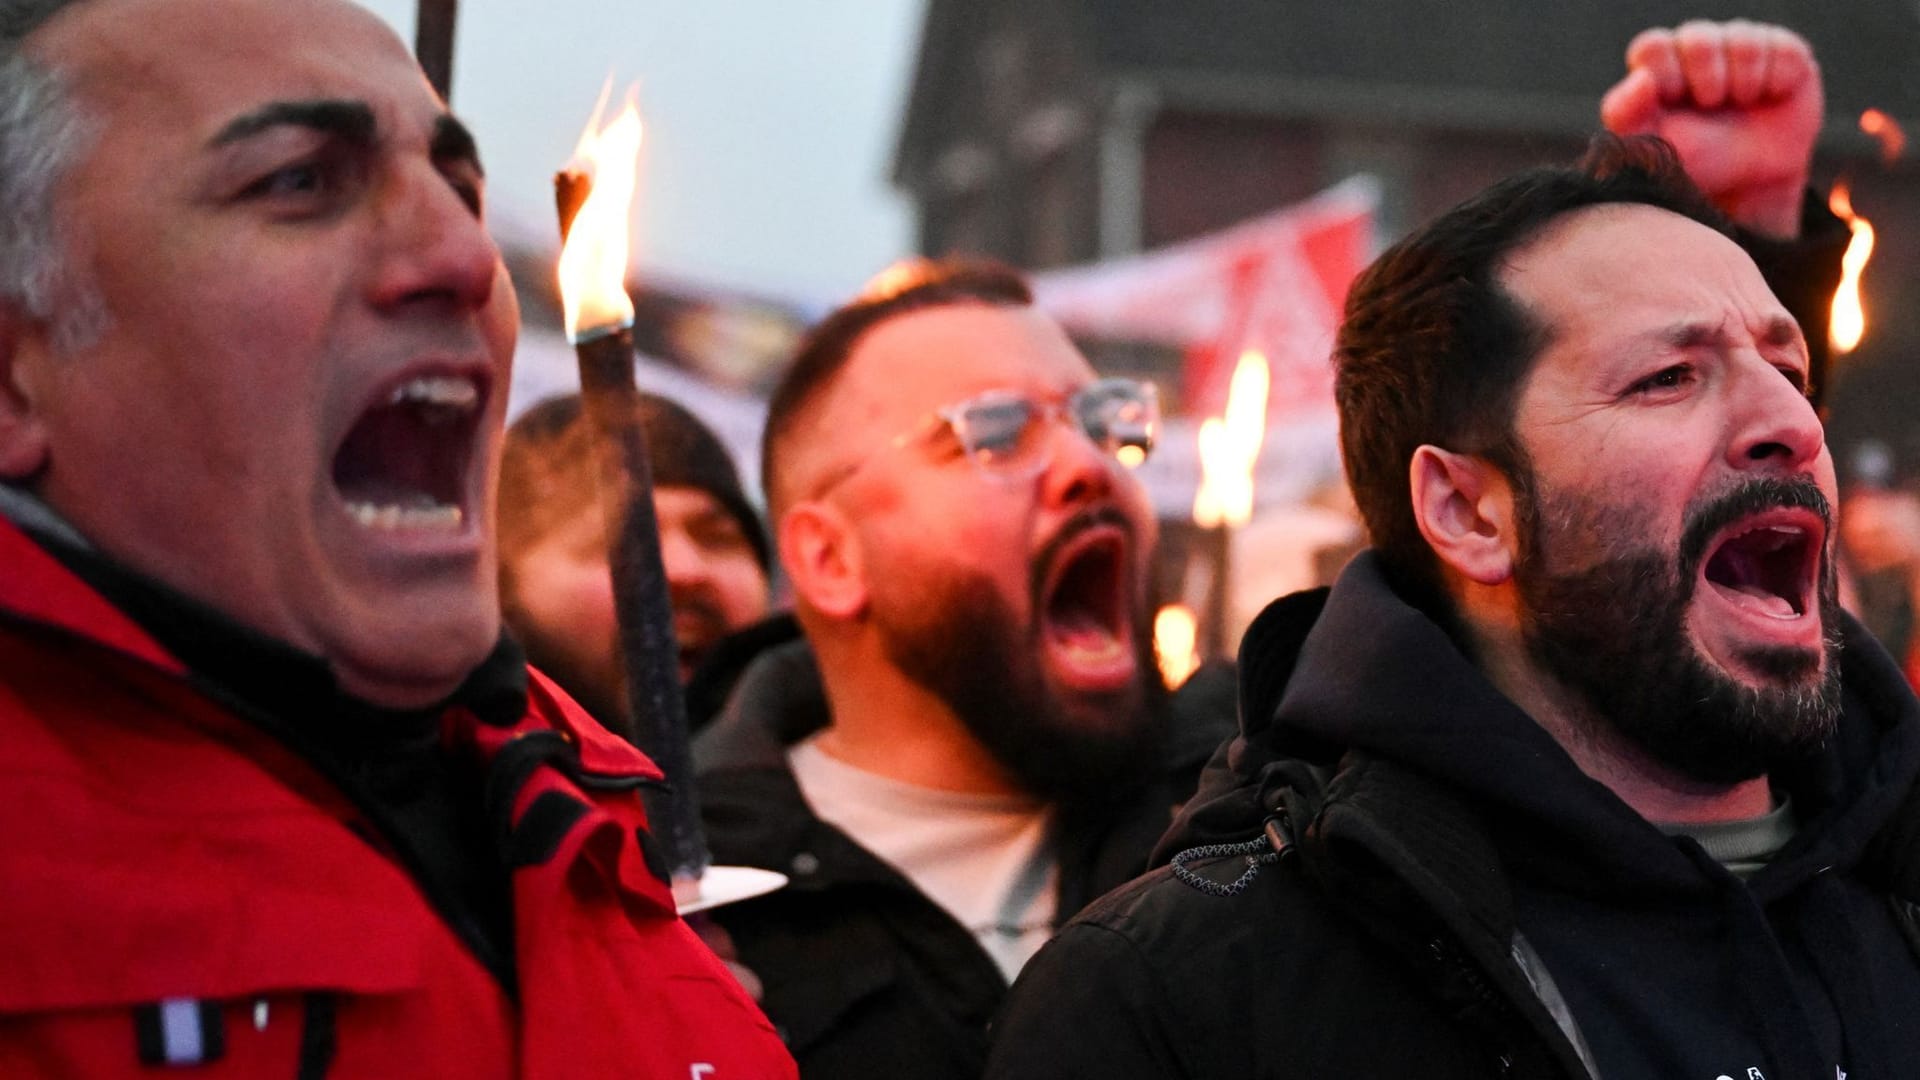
column 770, row 125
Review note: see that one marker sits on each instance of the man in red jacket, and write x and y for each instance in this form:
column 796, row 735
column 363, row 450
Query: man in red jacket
column 278, row 800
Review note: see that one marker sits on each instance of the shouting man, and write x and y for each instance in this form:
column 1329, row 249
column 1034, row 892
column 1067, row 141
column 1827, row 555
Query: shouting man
column 278, row 797
column 1580, row 772
column 969, row 744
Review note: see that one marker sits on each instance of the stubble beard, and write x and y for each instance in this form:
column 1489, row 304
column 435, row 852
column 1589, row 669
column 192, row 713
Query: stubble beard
column 1615, row 633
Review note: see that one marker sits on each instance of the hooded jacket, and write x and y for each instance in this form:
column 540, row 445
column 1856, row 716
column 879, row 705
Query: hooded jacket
column 865, row 976
column 1394, row 871
column 183, row 889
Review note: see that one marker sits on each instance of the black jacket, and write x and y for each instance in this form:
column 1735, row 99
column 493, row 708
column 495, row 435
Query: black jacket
column 1434, row 889
column 864, row 975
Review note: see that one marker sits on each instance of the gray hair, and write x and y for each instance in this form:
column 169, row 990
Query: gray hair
column 43, row 132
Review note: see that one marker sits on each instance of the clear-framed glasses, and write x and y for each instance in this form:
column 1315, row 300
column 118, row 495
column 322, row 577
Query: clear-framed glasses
column 1005, row 432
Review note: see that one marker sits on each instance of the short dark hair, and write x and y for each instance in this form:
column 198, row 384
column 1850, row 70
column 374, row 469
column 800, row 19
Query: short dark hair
column 913, row 285
column 1432, row 349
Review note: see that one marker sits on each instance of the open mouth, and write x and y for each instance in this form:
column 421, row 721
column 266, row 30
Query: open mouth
column 1086, row 620
column 403, row 465
column 1768, row 565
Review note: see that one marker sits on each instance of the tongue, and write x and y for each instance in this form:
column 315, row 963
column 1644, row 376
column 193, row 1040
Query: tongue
column 1751, row 571
column 1079, row 632
column 1759, row 599
column 1086, row 633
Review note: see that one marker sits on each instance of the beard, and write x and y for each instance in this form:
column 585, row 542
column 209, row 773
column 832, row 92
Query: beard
column 1616, row 634
column 960, row 639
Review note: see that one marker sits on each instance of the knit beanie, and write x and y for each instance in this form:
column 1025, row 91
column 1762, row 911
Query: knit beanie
column 547, row 469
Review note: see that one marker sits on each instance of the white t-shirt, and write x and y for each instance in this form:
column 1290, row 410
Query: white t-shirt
column 986, row 859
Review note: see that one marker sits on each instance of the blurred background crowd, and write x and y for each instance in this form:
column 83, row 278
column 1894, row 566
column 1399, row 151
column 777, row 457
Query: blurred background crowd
column 1187, row 185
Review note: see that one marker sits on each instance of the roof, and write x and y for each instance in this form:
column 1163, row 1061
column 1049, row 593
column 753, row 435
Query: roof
column 1509, row 49
column 1489, row 65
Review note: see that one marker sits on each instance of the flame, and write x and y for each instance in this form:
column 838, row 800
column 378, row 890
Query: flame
column 1175, row 634
column 593, row 260
column 1848, row 322
column 1887, row 132
column 1229, row 446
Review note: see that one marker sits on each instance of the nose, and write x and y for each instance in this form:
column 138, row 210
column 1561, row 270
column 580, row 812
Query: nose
column 437, row 253
column 1078, row 471
column 1777, row 426
column 685, row 566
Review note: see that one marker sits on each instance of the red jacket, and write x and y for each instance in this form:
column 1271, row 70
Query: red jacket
column 176, row 885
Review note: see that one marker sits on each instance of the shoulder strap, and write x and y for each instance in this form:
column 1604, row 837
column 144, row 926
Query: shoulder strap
column 1416, row 868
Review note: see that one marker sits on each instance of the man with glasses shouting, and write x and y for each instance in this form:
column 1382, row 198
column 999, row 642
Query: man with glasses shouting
column 970, row 743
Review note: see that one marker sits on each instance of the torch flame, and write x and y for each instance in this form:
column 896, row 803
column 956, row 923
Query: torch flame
column 1230, row 445
column 593, row 259
column 1887, row 132
column 1175, row 633
column 1848, row 322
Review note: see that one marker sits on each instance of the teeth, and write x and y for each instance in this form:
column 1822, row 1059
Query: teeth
column 1782, row 535
column 1094, row 650
column 389, row 518
column 447, row 391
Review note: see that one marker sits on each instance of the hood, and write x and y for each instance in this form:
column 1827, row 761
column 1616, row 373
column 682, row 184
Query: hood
column 726, row 663
column 1328, row 676
column 777, row 701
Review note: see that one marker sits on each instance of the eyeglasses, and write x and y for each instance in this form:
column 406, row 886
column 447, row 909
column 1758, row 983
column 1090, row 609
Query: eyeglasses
column 1004, row 432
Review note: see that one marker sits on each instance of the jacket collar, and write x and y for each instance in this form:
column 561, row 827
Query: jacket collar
column 57, row 579
column 37, row 588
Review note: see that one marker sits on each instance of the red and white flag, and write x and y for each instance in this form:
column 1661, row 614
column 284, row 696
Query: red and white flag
column 1274, row 283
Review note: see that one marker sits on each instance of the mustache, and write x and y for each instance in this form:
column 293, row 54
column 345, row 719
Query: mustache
column 697, row 612
column 1090, row 518
column 1752, row 496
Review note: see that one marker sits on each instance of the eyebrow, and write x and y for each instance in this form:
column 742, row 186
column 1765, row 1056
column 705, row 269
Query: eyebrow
column 453, row 142
column 1783, row 331
column 349, row 120
column 1780, row 331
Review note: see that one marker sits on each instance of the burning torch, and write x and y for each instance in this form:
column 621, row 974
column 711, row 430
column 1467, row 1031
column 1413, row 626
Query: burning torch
column 1848, row 316
column 1229, row 452
column 1848, row 319
column 1176, row 644
column 594, row 194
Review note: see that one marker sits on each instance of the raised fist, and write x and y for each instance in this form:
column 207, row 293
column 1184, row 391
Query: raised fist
column 1741, row 102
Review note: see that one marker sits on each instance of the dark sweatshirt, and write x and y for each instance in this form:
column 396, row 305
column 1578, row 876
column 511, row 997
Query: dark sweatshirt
column 1461, row 900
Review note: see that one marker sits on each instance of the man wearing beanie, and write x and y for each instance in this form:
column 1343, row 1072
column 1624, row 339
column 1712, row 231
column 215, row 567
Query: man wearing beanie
column 555, row 590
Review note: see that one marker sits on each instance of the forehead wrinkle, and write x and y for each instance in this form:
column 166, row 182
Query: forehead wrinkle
column 1694, row 334
column 1778, row 331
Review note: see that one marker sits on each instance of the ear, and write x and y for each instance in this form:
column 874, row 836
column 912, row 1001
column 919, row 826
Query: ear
column 820, row 551
column 1464, row 507
column 23, row 433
